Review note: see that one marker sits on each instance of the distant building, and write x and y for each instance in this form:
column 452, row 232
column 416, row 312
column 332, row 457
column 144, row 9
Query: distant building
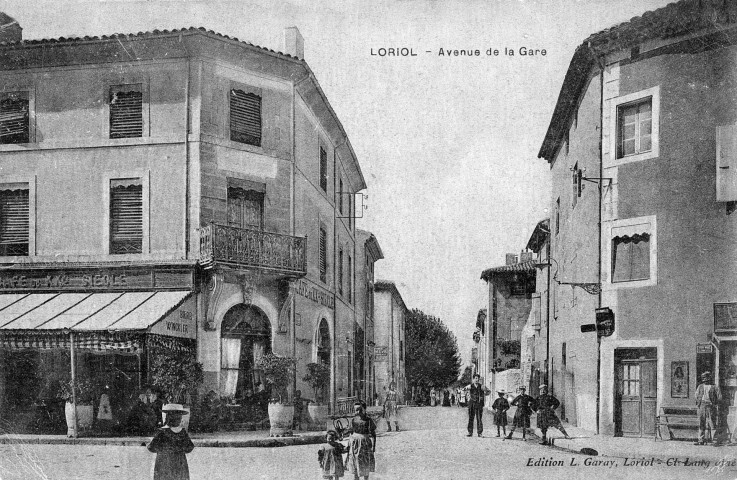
column 390, row 314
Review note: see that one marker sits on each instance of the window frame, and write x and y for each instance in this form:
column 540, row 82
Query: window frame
column 30, row 91
column 628, row 227
column 113, row 89
column 617, row 103
column 144, row 176
column 108, row 86
column 30, row 183
column 247, row 90
column 323, row 167
column 341, row 275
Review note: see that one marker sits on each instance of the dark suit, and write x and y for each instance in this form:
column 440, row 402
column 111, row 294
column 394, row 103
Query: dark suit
column 476, row 407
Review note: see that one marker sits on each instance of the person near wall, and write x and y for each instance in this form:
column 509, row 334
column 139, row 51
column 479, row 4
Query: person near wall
column 390, row 407
column 708, row 398
column 546, row 417
column 500, row 407
column 171, row 444
column 525, row 406
column 476, row 394
column 330, row 457
column 361, row 444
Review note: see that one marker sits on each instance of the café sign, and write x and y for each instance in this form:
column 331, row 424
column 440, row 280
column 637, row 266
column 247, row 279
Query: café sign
column 314, row 293
column 179, row 323
column 91, row 280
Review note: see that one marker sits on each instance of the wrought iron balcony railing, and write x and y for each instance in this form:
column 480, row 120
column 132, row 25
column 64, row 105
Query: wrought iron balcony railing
column 252, row 248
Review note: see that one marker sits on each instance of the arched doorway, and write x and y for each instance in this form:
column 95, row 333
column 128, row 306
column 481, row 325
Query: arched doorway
column 245, row 337
column 323, row 352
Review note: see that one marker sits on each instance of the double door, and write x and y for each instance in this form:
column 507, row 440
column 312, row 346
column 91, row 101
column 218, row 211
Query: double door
column 636, row 397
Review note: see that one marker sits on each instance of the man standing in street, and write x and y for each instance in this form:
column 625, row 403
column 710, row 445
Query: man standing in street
column 476, row 394
column 708, row 398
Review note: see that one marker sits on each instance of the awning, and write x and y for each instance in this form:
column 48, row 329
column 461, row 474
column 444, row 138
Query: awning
column 100, row 321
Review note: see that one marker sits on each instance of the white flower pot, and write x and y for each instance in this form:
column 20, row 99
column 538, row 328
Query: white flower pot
column 318, row 413
column 280, row 419
column 85, row 417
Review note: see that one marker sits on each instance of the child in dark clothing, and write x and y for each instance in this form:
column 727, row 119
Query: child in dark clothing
column 330, row 457
column 171, row 444
column 500, row 407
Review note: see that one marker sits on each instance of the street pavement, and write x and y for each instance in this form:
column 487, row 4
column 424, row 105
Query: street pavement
column 417, row 454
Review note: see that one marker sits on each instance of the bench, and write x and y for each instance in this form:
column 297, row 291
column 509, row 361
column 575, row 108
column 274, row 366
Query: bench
column 676, row 418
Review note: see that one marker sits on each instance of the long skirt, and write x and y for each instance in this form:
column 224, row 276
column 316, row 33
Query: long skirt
column 547, row 418
column 521, row 419
column 171, row 466
column 361, row 460
column 390, row 413
column 500, row 418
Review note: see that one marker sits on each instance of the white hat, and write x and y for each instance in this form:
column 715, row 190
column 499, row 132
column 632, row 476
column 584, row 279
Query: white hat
column 173, row 408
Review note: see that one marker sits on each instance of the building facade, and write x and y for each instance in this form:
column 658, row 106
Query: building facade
column 642, row 129
column 369, row 252
column 390, row 314
column 173, row 189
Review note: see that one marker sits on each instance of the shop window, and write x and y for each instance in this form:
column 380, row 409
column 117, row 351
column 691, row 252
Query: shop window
column 14, row 117
column 14, row 219
column 323, row 169
column 631, row 257
column 323, row 251
column 245, row 208
column 126, row 216
column 245, row 117
column 126, row 111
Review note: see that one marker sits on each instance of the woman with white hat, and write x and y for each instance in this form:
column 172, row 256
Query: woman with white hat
column 171, row 444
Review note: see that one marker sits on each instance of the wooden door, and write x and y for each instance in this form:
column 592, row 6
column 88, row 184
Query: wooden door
column 637, row 397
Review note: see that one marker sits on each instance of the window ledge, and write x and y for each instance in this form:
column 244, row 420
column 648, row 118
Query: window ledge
column 91, row 143
column 634, row 158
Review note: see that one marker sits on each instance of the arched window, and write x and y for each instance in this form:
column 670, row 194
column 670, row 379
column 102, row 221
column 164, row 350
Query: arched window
column 245, row 338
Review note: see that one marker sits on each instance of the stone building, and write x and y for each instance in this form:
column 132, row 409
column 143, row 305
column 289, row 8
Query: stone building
column 369, row 252
column 390, row 314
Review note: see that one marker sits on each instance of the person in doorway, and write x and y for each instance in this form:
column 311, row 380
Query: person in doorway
column 390, row 407
column 500, row 407
column 476, row 394
column 330, row 457
column 525, row 406
column 361, row 444
column 546, row 417
column 708, row 398
column 171, row 444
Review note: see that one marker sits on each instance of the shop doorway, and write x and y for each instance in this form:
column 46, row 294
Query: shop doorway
column 323, row 354
column 636, row 381
column 245, row 338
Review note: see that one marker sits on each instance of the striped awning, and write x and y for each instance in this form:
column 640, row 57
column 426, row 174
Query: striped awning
column 99, row 321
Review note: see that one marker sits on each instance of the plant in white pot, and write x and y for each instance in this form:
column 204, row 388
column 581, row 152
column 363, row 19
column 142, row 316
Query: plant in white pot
column 278, row 373
column 318, row 376
column 83, row 391
column 177, row 375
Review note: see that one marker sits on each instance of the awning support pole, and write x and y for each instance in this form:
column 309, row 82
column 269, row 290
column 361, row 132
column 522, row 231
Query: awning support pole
column 74, row 385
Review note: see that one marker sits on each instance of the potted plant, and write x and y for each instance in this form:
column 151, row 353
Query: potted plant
column 318, row 376
column 278, row 372
column 177, row 375
column 84, row 390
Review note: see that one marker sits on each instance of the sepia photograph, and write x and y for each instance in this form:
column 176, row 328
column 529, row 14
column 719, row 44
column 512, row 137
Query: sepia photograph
column 390, row 239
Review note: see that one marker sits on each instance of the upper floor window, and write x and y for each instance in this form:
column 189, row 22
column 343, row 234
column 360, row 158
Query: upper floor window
column 350, row 279
column 631, row 257
column 126, row 111
column 245, row 117
column 323, row 248
column 323, row 169
column 340, row 272
column 126, row 216
column 557, row 216
column 14, row 219
column 245, row 208
column 340, row 197
column 635, row 127
column 14, row 118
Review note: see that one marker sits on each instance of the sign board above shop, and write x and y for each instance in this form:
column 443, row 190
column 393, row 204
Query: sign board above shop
column 725, row 317
column 95, row 280
column 181, row 322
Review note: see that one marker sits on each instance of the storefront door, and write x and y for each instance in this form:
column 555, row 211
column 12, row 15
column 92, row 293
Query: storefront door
column 637, row 392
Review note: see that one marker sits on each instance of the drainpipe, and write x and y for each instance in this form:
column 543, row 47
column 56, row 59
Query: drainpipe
column 547, row 313
column 601, row 192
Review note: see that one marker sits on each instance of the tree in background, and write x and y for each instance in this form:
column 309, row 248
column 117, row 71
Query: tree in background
column 431, row 356
column 466, row 377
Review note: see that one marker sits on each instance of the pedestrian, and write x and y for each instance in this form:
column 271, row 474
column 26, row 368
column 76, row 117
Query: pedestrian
column 500, row 407
column 361, row 444
column 525, row 406
column 390, row 407
column 452, row 399
column 446, row 398
column 432, row 397
column 171, row 444
column 298, row 407
column 546, row 417
column 330, row 456
column 708, row 397
column 476, row 394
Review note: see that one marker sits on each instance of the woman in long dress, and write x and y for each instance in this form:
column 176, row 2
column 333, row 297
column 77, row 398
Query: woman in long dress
column 361, row 444
column 171, row 444
column 390, row 407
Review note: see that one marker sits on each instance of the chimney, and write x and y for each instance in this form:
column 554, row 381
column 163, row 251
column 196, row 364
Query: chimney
column 294, row 44
column 10, row 31
column 525, row 257
column 511, row 259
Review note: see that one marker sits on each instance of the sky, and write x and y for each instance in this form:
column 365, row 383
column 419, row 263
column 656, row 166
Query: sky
column 448, row 144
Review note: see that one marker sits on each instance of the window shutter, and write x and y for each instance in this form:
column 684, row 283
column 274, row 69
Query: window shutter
column 14, row 216
column 245, row 117
column 126, row 218
column 323, row 255
column 726, row 163
column 340, row 272
column 14, row 118
column 126, row 112
column 350, row 279
column 323, row 169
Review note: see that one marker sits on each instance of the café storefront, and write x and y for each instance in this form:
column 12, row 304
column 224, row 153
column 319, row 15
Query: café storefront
column 102, row 326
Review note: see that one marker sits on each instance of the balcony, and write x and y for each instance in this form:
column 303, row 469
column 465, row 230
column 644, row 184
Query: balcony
column 244, row 247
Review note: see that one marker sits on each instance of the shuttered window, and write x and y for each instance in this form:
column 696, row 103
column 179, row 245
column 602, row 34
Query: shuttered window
column 323, row 169
column 14, row 126
column 350, row 279
column 126, row 111
column 245, row 208
column 323, row 255
column 340, row 272
column 340, row 197
column 245, row 117
column 14, row 216
column 126, row 216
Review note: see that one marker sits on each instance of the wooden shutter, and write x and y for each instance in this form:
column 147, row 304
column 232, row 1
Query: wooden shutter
column 126, row 112
column 14, row 216
column 323, row 169
column 726, row 182
column 245, row 117
column 126, row 217
column 340, row 272
column 14, row 118
column 350, row 279
column 323, row 254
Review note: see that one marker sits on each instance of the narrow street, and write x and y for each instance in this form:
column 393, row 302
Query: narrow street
column 437, row 454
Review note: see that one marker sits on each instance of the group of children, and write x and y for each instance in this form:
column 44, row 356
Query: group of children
column 545, row 406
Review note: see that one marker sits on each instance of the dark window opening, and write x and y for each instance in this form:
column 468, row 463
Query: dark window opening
column 14, row 118
column 245, row 117
column 126, row 216
column 126, row 111
column 14, row 222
